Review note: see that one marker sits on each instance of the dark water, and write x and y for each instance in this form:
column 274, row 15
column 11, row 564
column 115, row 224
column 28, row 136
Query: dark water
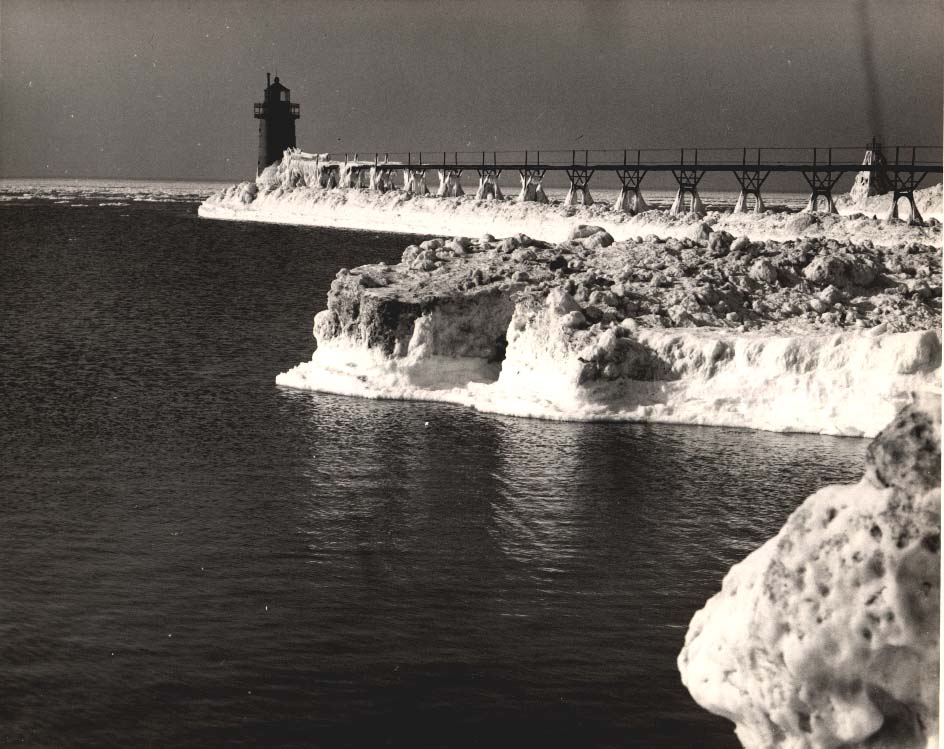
column 192, row 556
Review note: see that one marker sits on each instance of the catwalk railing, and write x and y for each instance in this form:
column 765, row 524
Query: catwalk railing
column 844, row 159
column 900, row 169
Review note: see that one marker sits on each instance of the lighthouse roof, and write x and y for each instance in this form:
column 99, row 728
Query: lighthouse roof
column 277, row 86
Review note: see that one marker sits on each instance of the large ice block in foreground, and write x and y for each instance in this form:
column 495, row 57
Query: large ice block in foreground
column 827, row 635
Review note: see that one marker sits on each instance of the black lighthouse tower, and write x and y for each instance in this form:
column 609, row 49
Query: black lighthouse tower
column 276, row 115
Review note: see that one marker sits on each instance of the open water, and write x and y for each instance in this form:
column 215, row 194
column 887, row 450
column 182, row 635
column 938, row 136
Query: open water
column 192, row 556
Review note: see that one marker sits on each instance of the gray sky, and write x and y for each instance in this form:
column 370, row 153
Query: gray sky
column 165, row 89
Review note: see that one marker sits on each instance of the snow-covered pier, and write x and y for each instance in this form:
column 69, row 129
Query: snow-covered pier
column 822, row 168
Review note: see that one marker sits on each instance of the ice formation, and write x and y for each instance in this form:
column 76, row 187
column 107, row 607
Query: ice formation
column 578, row 195
column 694, row 205
column 298, row 191
column 449, row 184
column 381, row 179
column 796, row 336
column 678, row 321
column 741, row 205
column 489, row 189
column 869, row 183
column 532, row 188
column 927, row 201
column 64, row 191
column 415, row 181
column 827, row 636
column 818, row 201
column 630, row 201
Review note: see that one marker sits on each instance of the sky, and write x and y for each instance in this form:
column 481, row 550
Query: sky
column 164, row 90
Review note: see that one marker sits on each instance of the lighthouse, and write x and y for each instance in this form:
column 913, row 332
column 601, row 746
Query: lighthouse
column 276, row 115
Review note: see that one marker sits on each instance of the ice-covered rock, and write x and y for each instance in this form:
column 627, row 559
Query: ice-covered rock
column 764, row 270
column 827, row 635
column 660, row 331
column 843, row 270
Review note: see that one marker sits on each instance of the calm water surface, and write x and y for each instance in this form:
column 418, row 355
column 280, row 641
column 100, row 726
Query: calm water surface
column 192, row 556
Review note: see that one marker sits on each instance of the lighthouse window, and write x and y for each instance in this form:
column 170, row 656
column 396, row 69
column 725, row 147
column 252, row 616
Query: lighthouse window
column 285, row 96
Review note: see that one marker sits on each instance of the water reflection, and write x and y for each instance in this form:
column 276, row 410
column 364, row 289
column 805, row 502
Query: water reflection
column 551, row 495
column 538, row 513
column 553, row 561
